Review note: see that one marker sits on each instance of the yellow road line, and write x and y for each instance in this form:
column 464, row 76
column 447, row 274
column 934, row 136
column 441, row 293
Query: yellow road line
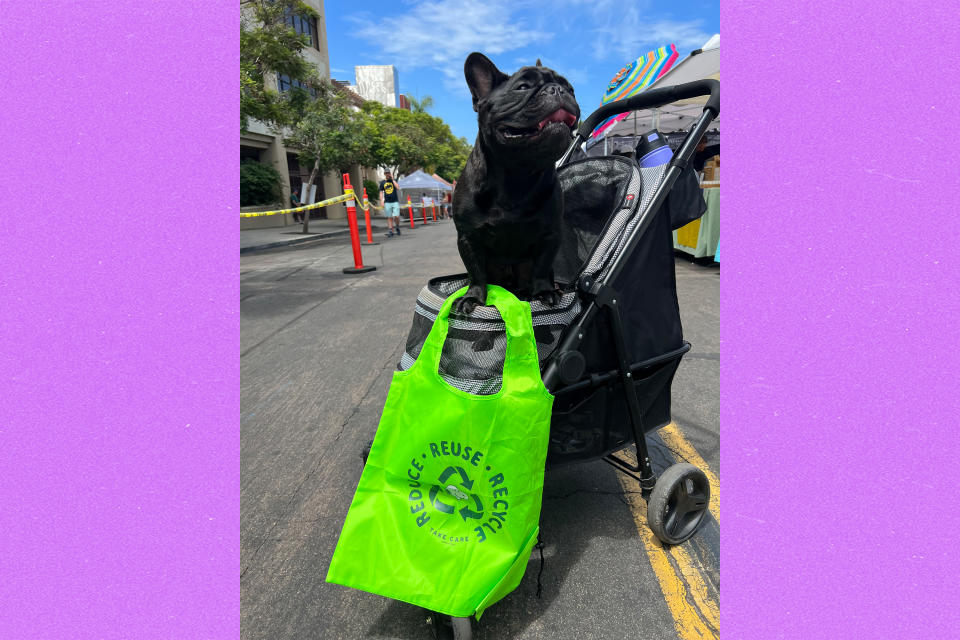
column 693, row 572
column 683, row 450
column 695, row 615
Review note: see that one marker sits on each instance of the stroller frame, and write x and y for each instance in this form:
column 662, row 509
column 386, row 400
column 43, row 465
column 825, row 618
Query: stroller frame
column 563, row 370
column 565, row 367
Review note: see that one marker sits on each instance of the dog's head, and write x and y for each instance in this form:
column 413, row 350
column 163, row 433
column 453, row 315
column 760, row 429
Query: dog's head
column 525, row 119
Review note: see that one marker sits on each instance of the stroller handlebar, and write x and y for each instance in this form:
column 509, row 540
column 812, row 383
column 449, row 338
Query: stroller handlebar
column 655, row 98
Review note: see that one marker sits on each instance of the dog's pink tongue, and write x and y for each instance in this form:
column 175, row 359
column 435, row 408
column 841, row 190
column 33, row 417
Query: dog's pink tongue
column 560, row 115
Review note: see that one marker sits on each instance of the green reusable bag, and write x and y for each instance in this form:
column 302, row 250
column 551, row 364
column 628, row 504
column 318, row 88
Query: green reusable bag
column 447, row 508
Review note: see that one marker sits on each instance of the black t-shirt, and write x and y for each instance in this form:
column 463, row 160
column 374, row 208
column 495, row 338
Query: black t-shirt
column 390, row 191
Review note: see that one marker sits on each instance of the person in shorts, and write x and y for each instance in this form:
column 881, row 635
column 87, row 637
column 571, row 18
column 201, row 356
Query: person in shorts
column 390, row 201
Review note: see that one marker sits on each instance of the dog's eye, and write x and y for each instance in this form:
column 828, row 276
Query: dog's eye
column 523, row 86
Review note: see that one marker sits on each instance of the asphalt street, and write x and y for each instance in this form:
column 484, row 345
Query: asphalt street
column 318, row 349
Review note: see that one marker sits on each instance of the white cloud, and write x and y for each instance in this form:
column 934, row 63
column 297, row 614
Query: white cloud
column 440, row 34
column 635, row 41
column 574, row 75
column 625, row 31
column 633, row 34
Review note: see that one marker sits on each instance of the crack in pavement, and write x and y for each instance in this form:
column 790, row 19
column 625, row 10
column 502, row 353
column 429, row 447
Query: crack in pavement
column 298, row 270
column 323, row 258
column 366, row 393
column 620, row 495
column 665, row 452
column 689, row 589
column 281, row 328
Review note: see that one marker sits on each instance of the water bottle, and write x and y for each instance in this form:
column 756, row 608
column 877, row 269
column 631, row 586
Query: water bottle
column 653, row 150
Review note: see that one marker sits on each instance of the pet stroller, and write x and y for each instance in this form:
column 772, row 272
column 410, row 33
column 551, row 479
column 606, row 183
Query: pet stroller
column 609, row 350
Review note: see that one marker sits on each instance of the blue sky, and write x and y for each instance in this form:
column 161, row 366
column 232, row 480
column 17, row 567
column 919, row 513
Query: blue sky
column 587, row 41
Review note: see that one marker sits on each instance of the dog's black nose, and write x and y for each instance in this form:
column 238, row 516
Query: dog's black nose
column 551, row 90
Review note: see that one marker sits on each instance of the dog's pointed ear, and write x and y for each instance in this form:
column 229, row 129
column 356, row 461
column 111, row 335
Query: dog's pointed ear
column 482, row 76
column 538, row 63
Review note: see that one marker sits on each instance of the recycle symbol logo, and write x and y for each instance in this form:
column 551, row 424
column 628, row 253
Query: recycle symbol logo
column 451, row 489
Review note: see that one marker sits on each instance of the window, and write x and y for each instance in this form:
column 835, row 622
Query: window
column 305, row 26
column 285, row 83
column 249, row 153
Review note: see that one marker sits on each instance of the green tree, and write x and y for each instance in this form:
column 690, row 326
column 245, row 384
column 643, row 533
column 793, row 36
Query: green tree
column 372, row 187
column 442, row 152
column 420, row 106
column 269, row 45
column 329, row 135
column 396, row 140
column 402, row 141
column 451, row 157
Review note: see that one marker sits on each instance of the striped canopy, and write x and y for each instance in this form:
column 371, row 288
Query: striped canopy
column 634, row 78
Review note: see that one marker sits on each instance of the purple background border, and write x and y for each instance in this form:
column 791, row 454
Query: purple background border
column 119, row 439
column 119, row 436
column 838, row 321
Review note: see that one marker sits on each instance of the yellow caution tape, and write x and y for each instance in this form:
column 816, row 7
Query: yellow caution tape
column 347, row 195
column 367, row 205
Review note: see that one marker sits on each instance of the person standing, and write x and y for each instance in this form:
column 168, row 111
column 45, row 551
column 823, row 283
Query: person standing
column 390, row 201
column 294, row 203
column 447, row 201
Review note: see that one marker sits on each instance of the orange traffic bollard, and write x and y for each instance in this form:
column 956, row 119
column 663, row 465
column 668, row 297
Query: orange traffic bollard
column 433, row 210
column 423, row 211
column 410, row 209
column 354, row 232
column 366, row 215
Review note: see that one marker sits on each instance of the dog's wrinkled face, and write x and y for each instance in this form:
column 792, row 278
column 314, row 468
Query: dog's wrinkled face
column 525, row 119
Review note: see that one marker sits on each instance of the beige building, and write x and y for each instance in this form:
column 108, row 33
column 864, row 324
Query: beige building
column 378, row 82
column 262, row 144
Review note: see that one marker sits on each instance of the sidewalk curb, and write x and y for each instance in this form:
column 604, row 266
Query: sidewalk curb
column 284, row 243
column 313, row 237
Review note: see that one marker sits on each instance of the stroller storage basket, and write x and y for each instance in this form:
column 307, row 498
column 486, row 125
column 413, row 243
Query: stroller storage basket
column 591, row 420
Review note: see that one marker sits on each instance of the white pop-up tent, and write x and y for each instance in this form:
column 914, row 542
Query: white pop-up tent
column 418, row 183
column 702, row 64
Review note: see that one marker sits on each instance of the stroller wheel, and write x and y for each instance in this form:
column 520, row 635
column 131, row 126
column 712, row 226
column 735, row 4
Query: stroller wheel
column 449, row 628
column 461, row 628
column 678, row 503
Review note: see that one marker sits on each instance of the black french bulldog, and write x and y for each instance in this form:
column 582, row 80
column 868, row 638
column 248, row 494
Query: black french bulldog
column 508, row 203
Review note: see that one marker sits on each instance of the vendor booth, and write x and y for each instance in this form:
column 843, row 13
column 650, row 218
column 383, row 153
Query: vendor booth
column 419, row 185
column 700, row 238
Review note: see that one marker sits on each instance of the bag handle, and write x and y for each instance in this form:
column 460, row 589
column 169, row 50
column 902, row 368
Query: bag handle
column 520, row 363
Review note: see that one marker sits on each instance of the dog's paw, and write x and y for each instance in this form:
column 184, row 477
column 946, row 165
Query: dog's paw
column 465, row 305
column 468, row 302
column 549, row 297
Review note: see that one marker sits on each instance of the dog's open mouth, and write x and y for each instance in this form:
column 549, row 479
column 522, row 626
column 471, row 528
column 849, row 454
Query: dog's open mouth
column 559, row 116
